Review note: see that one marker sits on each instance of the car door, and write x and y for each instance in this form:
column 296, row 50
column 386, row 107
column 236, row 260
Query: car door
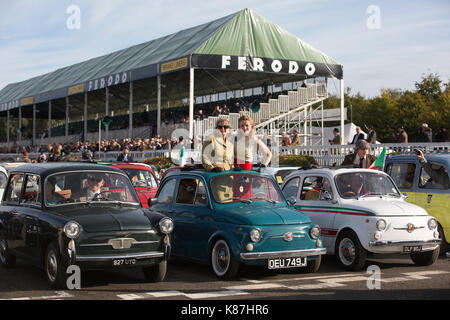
column 12, row 216
column 165, row 197
column 30, row 208
column 192, row 218
column 317, row 200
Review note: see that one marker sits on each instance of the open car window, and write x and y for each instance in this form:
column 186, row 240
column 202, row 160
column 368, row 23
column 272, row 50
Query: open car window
column 88, row 186
column 358, row 184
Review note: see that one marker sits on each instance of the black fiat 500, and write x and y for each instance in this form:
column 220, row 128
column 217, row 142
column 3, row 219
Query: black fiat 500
column 63, row 214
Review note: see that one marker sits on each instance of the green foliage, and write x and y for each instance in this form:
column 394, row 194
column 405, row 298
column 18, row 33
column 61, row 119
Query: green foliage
column 159, row 162
column 429, row 103
column 292, row 160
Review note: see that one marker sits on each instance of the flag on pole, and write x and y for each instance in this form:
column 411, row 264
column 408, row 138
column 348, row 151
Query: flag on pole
column 379, row 162
column 182, row 158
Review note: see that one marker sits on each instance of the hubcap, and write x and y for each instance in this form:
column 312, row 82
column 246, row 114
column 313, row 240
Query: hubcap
column 221, row 258
column 2, row 251
column 347, row 251
column 52, row 266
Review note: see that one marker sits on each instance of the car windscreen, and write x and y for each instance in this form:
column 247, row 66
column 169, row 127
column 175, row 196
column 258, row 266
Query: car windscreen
column 362, row 184
column 141, row 178
column 238, row 187
column 3, row 180
column 88, row 186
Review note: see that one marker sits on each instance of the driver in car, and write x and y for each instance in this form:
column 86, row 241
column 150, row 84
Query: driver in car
column 93, row 189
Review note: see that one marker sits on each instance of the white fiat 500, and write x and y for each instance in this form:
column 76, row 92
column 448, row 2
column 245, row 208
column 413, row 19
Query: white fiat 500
column 360, row 212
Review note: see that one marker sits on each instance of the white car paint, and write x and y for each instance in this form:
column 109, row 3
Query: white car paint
column 361, row 215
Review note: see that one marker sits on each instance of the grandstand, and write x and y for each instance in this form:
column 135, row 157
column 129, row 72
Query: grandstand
column 153, row 81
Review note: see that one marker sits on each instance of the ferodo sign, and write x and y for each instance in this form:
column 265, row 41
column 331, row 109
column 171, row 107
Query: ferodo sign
column 257, row 64
column 239, row 63
column 107, row 81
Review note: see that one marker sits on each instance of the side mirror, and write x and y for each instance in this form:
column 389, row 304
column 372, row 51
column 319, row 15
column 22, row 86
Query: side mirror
column 152, row 201
column 327, row 196
column 292, row 201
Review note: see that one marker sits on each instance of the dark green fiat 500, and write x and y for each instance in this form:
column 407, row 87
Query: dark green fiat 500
column 88, row 215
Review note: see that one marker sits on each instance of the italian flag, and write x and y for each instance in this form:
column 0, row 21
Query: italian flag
column 379, row 162
column 182, row 158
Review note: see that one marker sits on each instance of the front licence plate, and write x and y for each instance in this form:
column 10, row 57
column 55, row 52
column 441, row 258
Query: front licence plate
column 123, row 262
column 281, row 263
column 412, row 248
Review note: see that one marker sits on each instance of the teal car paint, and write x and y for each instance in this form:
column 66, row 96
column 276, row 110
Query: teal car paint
column 213, row 229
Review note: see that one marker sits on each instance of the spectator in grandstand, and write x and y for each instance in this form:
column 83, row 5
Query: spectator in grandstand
column 371, row 135
column 295, row 138
column 337, row 137
column 217, row 112
column 424, row 134
column 200, row 115
column 361, row 157
column 58, row 154
column 225, row 109
column 247, row 144
column 125, row 156
column 358, row 136
column 401, row 136
column 285, row 140
column 442, row 135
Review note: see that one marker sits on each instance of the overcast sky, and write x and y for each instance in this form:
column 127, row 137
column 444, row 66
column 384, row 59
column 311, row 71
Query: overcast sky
column 382, row 44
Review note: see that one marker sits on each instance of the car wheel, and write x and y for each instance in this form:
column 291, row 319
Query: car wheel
column 157, row 272
column 54, row 269
column 223, row 262
column 425, row 258
column 7, row 260
column 313, row 265
column 349, row 252
column 444, row 244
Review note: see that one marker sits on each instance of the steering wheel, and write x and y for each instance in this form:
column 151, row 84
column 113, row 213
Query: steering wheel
column 99, row 196
column 349, row 193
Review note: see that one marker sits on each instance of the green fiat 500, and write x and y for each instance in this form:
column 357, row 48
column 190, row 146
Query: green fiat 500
column 88, row 215
column 236, row 217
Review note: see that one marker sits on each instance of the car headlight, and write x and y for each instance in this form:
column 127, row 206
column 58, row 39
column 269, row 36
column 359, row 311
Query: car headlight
column 72, row 229
column 315, row 232
column 432, row 224
column 255, row 235
column 166, row 225
column 381, row 225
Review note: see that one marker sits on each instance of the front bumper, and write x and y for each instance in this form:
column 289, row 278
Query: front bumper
column 397, row 245
column 105, row 258
column 282, row 254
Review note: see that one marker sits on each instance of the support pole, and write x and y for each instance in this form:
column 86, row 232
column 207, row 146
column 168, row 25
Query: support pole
column 7, row 129
column 191, row 103
column 20, row 124
column 158, row 114
column 342, row 111
column 321, row 106
column 49, row 124
column 67, row 119
column 34, row 125
column 85, row 127
column 130, row 111
column 107, row 111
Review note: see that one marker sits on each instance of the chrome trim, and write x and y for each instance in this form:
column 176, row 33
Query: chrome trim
column 384, row 243
column 110, row 245
column 282, row 254
column 139, row 256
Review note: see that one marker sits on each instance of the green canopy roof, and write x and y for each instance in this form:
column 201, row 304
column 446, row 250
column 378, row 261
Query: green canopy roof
column 243, row 42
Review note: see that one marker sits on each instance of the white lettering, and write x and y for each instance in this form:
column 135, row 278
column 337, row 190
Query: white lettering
column 276, row 66
column 124, row 77
column 225, row 61
column 293, row 67
column 374, row 281
column 95, row 84
column 258, row 64
column 102, row 83
column 74, row 280
column 117, row 79
column 110, row 80
column 90, row 86
column 310, row 69
column 242, row 63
